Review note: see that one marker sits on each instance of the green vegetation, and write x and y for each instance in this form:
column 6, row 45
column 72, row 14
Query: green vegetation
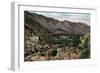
column 82, row 42
column 85, row 46
column 51, row 46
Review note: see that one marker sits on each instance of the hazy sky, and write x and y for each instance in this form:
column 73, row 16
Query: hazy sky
column 74, row 17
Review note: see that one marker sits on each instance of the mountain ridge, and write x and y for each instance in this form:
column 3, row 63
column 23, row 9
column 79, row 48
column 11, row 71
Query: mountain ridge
column 55, row 26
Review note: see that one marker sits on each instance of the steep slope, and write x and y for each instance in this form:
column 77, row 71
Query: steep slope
column 33, row 23
column 56, row 26
column 47, row 38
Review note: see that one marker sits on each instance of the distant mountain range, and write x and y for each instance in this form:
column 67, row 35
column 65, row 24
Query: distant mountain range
column 42, row 24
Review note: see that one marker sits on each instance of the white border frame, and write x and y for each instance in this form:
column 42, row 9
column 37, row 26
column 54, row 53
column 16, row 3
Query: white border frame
column 17, row 57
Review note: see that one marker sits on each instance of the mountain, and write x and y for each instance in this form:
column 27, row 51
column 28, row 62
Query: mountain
column 42, row 24
column 47, row 38
column 33, row 23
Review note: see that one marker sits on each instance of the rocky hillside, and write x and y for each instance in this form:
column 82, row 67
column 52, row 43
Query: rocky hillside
column 47, row 38
column 56, row 26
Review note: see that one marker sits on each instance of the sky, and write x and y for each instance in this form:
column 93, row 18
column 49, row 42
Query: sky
column 61, row 16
